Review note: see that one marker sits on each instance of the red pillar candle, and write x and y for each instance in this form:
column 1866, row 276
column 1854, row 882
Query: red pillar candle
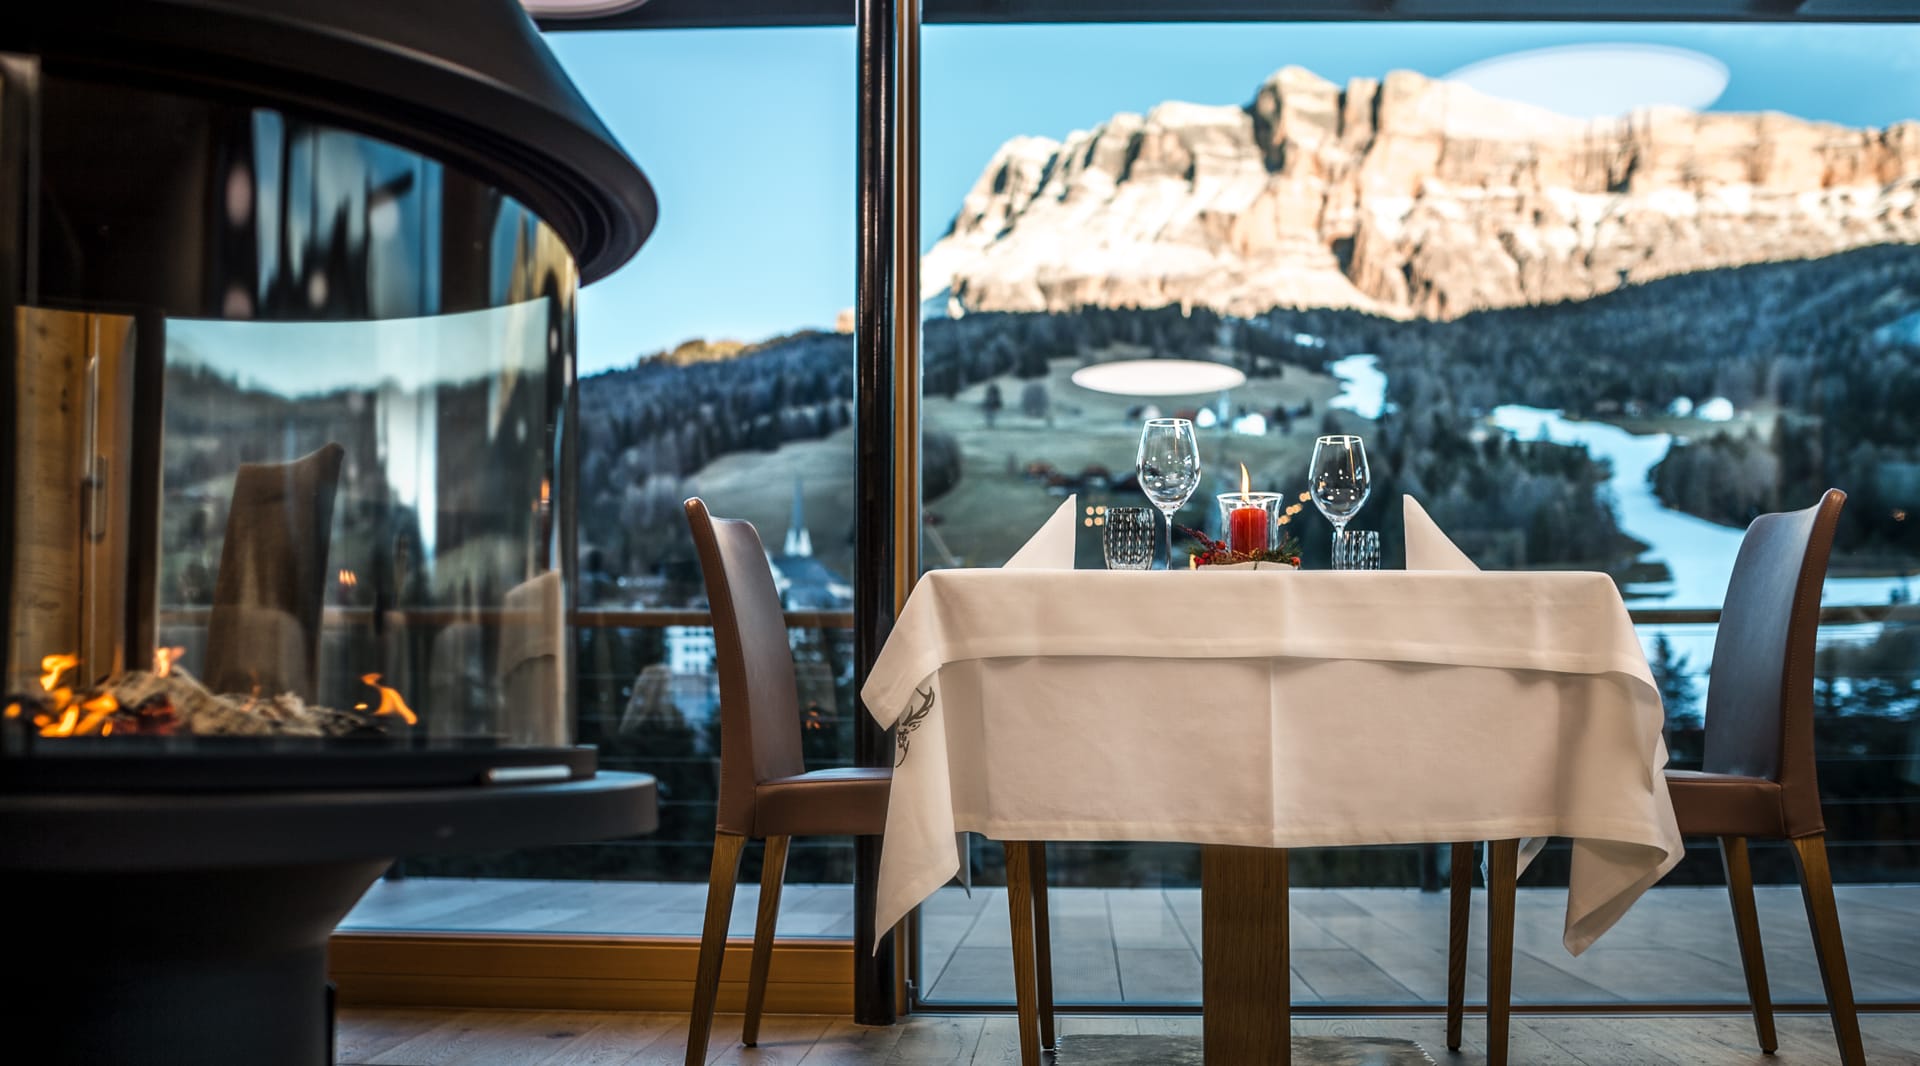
column 1247, row 530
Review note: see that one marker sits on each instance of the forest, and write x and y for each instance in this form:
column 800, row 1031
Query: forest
column 1821, row 357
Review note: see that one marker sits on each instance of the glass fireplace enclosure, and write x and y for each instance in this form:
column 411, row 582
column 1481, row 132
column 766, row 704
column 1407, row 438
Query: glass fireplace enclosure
column 287, row 444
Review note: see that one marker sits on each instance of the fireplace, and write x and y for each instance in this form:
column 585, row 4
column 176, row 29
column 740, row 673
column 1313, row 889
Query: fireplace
column 286, row 492
column 286, row 484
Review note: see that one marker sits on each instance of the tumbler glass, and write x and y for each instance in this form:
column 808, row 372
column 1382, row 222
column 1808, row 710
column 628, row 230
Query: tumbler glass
column 1127, row 538
column 1356, row 549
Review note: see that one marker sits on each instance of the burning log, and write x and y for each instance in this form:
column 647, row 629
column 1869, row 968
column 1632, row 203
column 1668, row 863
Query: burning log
column 169, row 701
column 176, row 702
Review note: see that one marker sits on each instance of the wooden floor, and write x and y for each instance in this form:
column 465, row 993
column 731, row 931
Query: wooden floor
column 555, row 1038
column 1140, row 947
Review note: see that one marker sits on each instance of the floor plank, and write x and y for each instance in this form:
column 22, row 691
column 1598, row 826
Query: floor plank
column 565, row 1038
column 999, row 1043
column 488, row 1038
column 375, row 1032
column 785, row 1039
column 937, row 1041
column 621, row 1040
column 844, row 1042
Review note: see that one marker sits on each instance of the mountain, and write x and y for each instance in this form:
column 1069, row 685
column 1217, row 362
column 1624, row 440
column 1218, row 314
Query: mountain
column 1408, row 197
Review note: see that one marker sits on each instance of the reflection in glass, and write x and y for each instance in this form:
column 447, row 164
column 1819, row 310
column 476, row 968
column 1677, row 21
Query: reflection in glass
column 437, row 529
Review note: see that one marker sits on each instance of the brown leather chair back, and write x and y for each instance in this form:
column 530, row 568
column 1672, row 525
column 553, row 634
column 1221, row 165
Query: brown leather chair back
column 759, row 701
column 1760, row 696
column 264, row 633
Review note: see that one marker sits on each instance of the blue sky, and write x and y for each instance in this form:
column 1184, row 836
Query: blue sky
column 748, row 134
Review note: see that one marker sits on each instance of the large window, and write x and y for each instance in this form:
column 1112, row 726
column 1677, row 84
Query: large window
column 1596, row 295
column 713, row 365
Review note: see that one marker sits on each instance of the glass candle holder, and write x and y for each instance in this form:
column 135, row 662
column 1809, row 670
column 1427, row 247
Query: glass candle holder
column 1249, row 521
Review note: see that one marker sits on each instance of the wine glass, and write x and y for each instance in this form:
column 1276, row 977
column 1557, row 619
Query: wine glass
column 1169, row 467
column 1339, row 481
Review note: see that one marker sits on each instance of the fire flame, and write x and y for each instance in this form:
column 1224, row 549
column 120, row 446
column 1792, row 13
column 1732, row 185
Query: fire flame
column 52, row 666
column 97, row 710
column 1246, row 484
column 390, row 701
column 63, row 714
column 164, row 658
column 64, row 719
column 348, row 579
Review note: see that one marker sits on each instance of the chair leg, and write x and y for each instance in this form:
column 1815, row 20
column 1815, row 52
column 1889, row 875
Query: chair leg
column 1042, row 940
column 1459, row 912
column 1026, row 993
column 713, row 942
column 1746, row 927
column 773, row 869
column 1816, row 887
column 1503, row 868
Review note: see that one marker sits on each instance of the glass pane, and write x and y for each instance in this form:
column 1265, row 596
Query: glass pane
column 1579, row 300
column 443, row 541
column 711, row 365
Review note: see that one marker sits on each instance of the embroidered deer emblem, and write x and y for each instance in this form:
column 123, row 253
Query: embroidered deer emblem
column 910, row 721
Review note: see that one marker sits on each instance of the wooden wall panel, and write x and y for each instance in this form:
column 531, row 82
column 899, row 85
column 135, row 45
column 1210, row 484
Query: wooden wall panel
column 73, row 387
column 578, row 972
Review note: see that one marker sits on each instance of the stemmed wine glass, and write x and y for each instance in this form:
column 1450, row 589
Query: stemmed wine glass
column 1339, row 481
column 1169, row 467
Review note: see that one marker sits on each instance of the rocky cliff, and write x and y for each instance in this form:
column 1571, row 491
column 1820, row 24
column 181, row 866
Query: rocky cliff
column 1408, row 197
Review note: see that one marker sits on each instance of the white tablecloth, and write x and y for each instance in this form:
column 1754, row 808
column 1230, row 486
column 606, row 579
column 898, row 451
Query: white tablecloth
column 1276, row 710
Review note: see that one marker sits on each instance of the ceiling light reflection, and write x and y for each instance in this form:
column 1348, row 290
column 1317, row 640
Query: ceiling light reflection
column 1158, row 377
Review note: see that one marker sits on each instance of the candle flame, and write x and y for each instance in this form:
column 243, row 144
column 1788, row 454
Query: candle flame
column 1246, row 484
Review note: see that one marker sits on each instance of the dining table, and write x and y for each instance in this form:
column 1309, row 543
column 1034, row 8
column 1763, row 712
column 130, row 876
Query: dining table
column 1254, row 712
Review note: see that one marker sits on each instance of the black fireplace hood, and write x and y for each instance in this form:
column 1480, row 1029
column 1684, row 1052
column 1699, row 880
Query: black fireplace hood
column 468, row 82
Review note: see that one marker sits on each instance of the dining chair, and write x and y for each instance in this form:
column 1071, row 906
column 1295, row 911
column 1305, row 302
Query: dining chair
column 765, row 791
column 1758, row 778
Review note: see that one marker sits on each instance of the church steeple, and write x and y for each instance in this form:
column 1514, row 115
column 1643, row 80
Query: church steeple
column 799, row 541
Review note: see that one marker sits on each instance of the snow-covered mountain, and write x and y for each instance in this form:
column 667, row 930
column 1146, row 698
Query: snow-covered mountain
column 1408, row 196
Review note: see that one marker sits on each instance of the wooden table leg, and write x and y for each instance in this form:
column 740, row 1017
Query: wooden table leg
column 1042, row 939
column 1244, row 956
column 1459, row 914
column 1026, row 992
column 1503, row 867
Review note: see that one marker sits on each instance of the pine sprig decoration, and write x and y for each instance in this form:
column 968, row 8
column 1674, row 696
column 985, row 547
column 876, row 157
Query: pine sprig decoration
column 1216, row 553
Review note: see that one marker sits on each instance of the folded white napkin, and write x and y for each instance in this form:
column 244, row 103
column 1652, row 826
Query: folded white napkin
column 1052, row 547
column 1427, row 547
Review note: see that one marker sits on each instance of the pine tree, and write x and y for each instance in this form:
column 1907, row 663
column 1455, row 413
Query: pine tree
column 1672, row 676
